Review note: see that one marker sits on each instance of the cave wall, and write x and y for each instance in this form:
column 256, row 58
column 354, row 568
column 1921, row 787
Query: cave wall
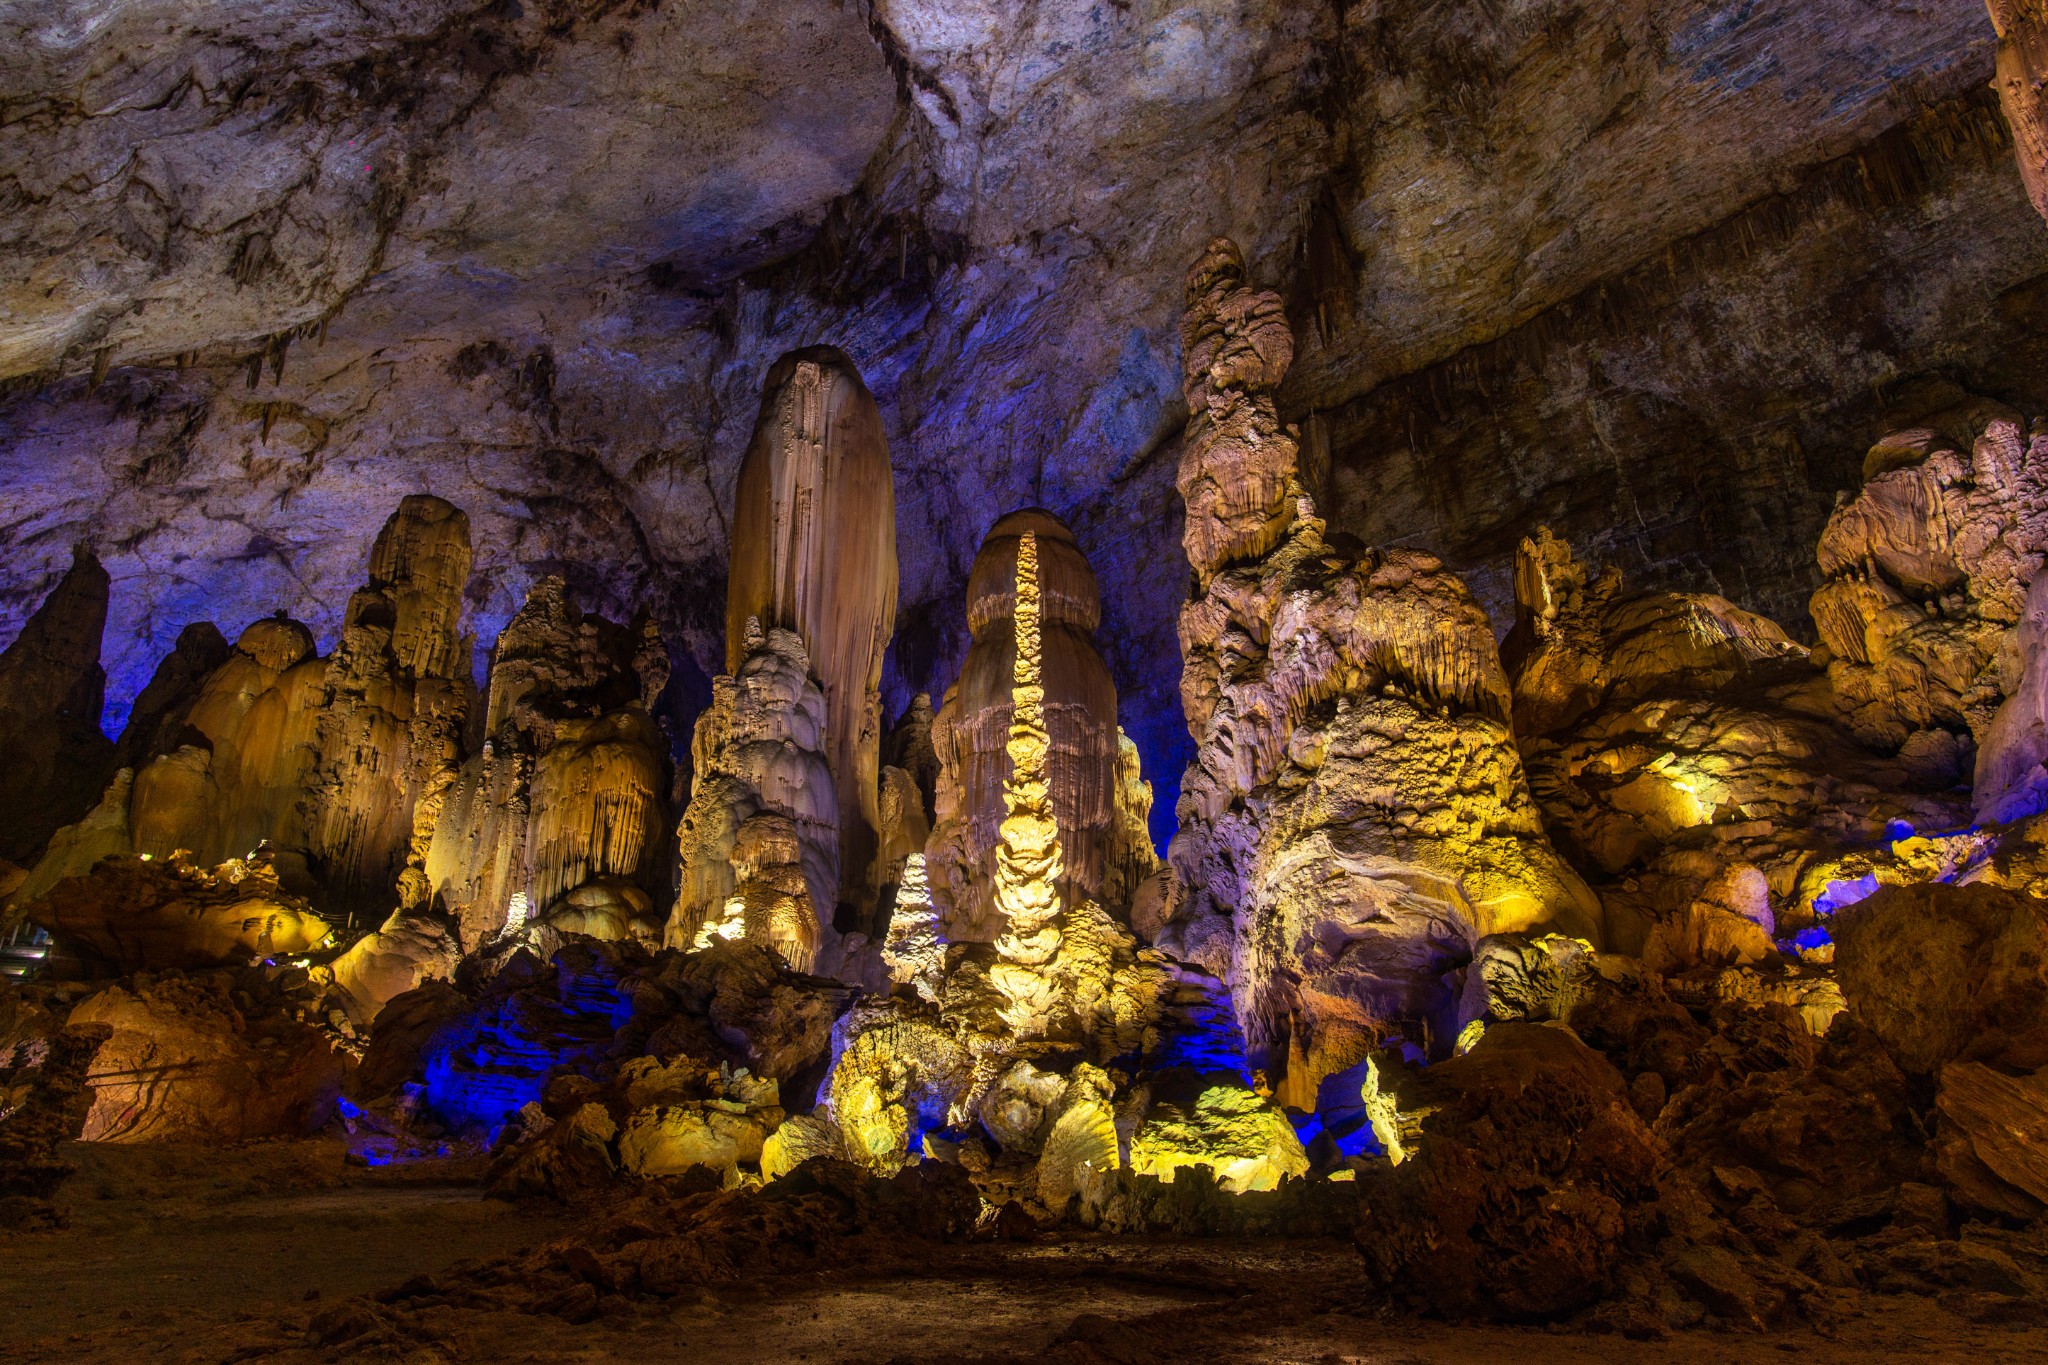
column 263, row 270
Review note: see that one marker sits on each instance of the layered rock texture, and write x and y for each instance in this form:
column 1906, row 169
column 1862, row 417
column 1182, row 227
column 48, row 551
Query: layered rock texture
column 814, row 552
column 567, row 787
column 1101, row 811
column 1356, row 817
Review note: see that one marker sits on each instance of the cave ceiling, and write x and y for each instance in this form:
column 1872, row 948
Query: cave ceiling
column 1654, row 272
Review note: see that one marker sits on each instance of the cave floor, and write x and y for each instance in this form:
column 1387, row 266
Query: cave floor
column 204, row 1255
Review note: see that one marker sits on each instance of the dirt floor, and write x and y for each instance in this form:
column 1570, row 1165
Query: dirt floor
column 209, row 1256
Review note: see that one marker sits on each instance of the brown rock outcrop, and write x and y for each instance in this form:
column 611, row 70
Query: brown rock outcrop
column 814, row 551
column 1091, row 796
column 759, row 838
column 190, row 1061
column 159, row 722
column 131, row 914
column 54, row 761
column 568, row 785
column 43, row 1105
column 1356, row 804
column 1948, row 973
column 1525, row 1180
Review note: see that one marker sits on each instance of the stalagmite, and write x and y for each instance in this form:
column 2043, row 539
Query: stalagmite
column 1029, row 860
column 54, row 762
column 398, row 692
column 814, row 551
column 759, row 838
column 1356, row 817
column 1097, row 795
column 2022, row 70
column 568, row 786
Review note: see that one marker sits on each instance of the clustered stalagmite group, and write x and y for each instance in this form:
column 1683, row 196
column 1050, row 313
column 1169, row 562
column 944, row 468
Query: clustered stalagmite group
column 1494, row 954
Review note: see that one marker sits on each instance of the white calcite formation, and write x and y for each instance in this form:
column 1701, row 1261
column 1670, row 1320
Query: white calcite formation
column 760, row 836
column 1356, row 817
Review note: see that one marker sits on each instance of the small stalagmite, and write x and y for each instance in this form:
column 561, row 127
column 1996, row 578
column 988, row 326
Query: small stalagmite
column 567, row 787
column 51, row 686
column 1094, row 797
column 1356, row 817
column 814, row 551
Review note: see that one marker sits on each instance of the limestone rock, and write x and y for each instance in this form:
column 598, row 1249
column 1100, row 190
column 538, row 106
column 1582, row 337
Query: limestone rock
column 814, row 552
column 1356, row 803
column 54, row 761
column 1244, row 1139
column 908, row 746
column 238, row 779
column 1949, row 973
column 914, row 951
column 609, row 908
column 799, row 1139
column 1106, row 852
column 396, row 697
column 160, row 718
column 185, row 1063
column 1993, row 1144
column 723, row 1128
column 567, row 787
column 2022, row 64
column 129, row 914
column 898, row 1073
column 1577, row 644
column 1927, row 575
column 403, row 953
column 759, row 838
column 1530, row 1179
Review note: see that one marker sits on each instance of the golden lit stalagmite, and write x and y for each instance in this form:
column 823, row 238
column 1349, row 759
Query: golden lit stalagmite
column 759, row 838
column 814, row 551
column 1097, row 794
column 567, row 790
column 1356, row 817
column 1028, row 858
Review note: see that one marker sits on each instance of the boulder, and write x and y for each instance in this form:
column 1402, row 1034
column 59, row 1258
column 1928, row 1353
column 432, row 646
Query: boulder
column 187, row 1060
column 1948, row 973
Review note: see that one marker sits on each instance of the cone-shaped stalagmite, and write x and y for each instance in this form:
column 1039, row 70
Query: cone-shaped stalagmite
column 51, row 686
column 972, row 733
column 814, row 551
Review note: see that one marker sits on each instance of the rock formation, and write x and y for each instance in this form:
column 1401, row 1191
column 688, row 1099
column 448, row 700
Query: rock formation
column 1927, row 574
column 1356, row 812
column 397, row 694
column 131, row 914
column 2022, row 69
column 759, row 839
column 567, row 787
column 814, row 552
column 1101, row 809
column 1688, row 754
column 220, row 1058
column 54, row 760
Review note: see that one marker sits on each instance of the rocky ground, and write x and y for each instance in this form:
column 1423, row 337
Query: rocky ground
column 283, row 1251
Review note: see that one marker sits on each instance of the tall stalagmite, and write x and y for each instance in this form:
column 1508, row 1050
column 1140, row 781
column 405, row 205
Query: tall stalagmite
column 397, row 696
column 2022, row 71
column 814, row 551
column 51, row 687
column 567, row 789
column 1356, row 817
column 1107, row 850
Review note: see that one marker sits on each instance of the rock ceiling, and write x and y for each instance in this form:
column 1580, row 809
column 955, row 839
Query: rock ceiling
column 1652, row 271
